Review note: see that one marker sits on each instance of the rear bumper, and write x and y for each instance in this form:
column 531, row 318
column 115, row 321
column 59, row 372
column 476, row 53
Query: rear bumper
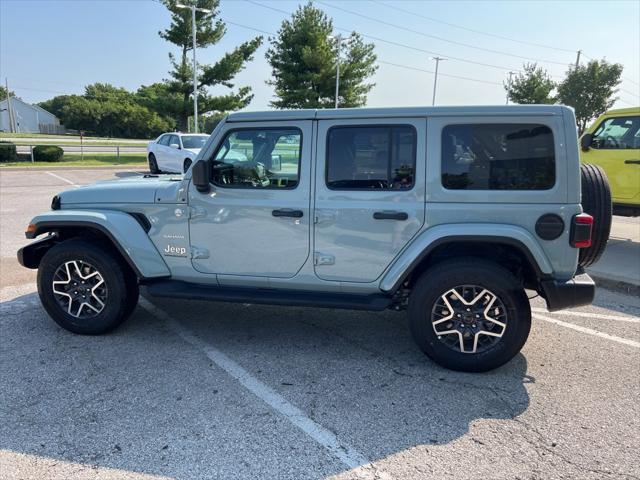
column 578, row 291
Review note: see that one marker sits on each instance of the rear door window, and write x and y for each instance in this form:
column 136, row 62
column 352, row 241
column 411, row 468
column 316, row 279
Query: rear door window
column 371, row 157
column 498, row 156
column 164, row 140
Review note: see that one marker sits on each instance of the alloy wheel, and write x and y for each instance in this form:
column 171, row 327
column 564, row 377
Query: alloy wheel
column 469, row 318
column 79, row 289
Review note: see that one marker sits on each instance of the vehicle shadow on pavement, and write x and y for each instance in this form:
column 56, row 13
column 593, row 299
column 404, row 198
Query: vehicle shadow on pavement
column 143, row 400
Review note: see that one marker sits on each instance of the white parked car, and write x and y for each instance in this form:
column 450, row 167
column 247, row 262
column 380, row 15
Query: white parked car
column 174, row 152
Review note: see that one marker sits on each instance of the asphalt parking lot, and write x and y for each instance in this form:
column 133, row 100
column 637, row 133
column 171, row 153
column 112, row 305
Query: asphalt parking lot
column 191, row 390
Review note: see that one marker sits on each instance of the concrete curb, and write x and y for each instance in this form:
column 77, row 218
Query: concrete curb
column 616, row 285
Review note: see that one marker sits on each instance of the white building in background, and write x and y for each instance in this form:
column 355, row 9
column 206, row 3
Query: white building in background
column 28, row 118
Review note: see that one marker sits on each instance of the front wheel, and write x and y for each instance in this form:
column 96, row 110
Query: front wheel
column 469, row 314
column 85, row 288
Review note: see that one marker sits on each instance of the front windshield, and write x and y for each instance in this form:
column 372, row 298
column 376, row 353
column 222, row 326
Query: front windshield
column 193, row 141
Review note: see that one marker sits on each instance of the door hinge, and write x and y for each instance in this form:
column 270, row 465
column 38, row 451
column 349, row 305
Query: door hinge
column 199, row 252
column 197, row 212
column 323, row 259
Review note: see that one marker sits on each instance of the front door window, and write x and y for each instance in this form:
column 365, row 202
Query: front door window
column 258, row 158
column 618, row 133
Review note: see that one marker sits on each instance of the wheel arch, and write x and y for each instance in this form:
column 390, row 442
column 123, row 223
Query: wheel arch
column 510, row 246
column 123, row 233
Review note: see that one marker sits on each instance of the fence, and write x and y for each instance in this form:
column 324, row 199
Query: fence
column 117, row 150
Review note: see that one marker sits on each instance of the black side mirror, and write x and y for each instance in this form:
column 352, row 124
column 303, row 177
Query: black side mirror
column 200, row 173
column 586, row 141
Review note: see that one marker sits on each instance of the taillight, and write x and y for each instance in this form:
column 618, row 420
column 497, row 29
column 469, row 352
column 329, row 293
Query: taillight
column 581, row 229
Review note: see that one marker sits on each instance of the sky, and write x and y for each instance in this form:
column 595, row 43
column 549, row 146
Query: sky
column 54, row 47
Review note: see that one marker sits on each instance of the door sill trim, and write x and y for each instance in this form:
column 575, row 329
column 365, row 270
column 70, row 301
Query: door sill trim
column 267, row 296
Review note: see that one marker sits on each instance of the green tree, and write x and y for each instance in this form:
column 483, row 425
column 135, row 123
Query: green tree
column 109, row 111
column 3, row 93
column 303, row 61
column 590, row 89
column 532, row 86
column 209, row 31
column 159, row 98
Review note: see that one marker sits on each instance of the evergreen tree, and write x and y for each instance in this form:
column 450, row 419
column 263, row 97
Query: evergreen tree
column 209, row 31
column 303, row 60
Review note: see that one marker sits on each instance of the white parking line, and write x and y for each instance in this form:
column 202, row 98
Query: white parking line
column 588, row 331
column 348, row 455
column 589, row 315
column 13, row 292
column 63, row 179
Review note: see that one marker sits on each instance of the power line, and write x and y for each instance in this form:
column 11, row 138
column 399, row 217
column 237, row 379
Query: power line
column 409, row 47
column 418, row 49
column 630, row 93
column 269, row 7
column 248, row 27
column 397, row 44
column 523, row 42
column 18, row 87
column 417, row 32
column 439, row 73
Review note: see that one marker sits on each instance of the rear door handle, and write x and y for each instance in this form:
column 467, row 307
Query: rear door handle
column 287, row 212
column 636, row 162
column 390, row 215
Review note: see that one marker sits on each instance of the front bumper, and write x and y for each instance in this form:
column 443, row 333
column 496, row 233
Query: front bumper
column 578, row 291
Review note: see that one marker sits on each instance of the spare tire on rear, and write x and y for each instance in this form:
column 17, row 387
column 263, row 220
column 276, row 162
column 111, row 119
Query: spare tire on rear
column 596, row 201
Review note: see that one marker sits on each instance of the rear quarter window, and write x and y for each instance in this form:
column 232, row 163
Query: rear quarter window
column 498, row 156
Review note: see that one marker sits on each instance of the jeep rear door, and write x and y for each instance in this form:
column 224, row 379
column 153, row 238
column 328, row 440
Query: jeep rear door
column 369, row 195
column 255, row 221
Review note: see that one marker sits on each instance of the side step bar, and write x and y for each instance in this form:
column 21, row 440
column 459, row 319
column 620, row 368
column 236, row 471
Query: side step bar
column 267, row 296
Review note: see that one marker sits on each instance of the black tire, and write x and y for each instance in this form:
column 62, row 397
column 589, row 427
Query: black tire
column 121, row 292
column 186, row 165
column 596, row 201
column 153, row 164
column 440, row 279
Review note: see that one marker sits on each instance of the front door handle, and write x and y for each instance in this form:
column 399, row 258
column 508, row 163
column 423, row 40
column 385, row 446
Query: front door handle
column 636, row 162
column 287, row 212
column 390, row 215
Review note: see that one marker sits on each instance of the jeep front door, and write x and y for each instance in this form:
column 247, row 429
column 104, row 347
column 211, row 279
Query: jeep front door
column 370, row 195
column 255, row 221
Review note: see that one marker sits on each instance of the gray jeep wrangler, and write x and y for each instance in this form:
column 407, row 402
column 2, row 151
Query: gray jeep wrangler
column 449, row 213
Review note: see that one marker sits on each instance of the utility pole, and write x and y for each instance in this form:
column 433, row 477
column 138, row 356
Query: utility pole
column 193, row 9
column 578, row 59
column 435, row 78
column 339, row 42
column 511, row 74
column 195, row 72
column 9, row 112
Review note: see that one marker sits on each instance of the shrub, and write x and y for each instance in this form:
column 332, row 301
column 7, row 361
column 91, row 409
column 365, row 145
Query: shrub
column 47, row 153
column 8, row 152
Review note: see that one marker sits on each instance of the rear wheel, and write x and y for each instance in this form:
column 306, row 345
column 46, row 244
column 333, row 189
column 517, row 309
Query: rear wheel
column 469, row 314
column 186, row 165
column 153, row 164
column 596, row 201
column 85, row 288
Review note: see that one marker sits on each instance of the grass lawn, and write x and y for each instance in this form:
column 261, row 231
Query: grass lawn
column 89, row 160
column 39, row 138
